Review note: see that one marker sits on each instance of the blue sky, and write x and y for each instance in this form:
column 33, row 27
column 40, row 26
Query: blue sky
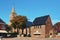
column 31, row 9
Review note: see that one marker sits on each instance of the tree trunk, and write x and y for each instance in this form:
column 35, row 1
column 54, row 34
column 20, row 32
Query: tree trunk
column 18, row 30
column 26, row 30
column 22, row 30
column 29, row 30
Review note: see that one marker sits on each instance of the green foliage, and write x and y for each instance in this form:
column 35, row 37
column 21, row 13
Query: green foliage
column 9, row 28
column 29, row 35
column 57, row 24
column 14, row 25
column 18, row 22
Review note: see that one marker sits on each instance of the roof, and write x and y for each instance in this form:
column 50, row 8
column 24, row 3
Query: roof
column 40, row 20
column 28, row 23
column 1, row 21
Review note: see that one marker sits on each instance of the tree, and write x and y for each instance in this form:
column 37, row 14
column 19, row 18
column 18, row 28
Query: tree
column 8, row 28
column 14, row 25
column 57, row 26
column 19, row 22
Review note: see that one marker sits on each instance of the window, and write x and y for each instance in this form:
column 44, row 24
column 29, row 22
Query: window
column 40, row 26
column 34, row 27
column 3, row 27
column 37, row 26
column 50, row 33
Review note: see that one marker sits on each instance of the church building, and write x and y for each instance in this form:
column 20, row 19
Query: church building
column 41, row 27
column 3, row 27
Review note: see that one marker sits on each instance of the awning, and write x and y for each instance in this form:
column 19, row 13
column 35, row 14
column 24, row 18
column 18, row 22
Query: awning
column 3, row 31
column 37, row 32
column 58, row 34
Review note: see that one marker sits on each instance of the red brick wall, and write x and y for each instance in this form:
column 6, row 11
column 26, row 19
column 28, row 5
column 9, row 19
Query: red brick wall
column 48, row 26
column 57, row 28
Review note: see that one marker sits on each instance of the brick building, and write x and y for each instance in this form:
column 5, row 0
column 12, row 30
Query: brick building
column 57, row 29
column 3, row 26
column 41, row 27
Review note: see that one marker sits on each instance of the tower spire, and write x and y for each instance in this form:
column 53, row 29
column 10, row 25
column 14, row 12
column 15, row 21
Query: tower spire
column 13, row 10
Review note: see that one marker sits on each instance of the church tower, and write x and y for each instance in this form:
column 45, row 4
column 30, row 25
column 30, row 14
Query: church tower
column 12, row 15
